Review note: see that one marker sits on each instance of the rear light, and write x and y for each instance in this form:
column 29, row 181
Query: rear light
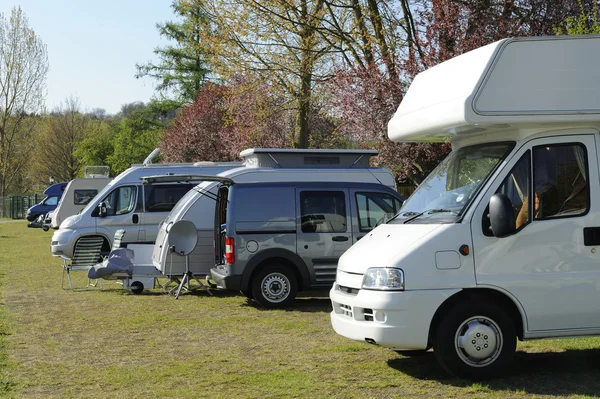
column 229, row 251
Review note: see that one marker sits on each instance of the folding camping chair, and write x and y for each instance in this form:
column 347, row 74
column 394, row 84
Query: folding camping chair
column 86, row 255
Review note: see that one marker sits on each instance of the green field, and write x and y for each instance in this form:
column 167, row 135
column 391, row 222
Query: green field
column 110, row 343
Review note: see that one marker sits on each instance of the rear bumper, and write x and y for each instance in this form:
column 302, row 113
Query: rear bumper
column 231, row 282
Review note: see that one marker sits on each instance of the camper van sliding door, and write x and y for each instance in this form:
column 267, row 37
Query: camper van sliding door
column 324, row 232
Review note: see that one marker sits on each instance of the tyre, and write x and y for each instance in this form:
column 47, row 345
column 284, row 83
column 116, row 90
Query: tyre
column 136, row 287
column 475, row 340
column 274, row 286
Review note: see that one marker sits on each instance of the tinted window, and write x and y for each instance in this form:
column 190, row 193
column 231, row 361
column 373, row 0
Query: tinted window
column 560, row 180
column 163, row 197
column 121, row 200
column 323, row 211
column 375, row 207
column 83, row 197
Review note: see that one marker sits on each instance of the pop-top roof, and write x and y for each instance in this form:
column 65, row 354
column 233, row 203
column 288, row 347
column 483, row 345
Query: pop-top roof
column 509, row 84
column 306, row 158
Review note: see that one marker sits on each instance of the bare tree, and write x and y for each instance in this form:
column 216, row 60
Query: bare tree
column 23, row 70
column 60, row 132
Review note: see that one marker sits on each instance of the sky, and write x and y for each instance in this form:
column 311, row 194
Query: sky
column 93, row 47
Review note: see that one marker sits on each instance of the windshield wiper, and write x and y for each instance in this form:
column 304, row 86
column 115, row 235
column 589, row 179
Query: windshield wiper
column 427, row 211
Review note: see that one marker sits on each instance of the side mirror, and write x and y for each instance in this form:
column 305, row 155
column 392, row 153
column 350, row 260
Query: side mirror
column 502, row 215
column 102, row 210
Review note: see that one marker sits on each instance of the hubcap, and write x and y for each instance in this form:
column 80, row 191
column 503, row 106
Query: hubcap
column 275, row 287
column 478, row 341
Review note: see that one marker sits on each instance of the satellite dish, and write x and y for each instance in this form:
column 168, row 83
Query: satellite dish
column 183, row 237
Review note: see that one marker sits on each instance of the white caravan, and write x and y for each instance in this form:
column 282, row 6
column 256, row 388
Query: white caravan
column 261, row 165
column 79, row 192
column 125, row 204
column 470, row 263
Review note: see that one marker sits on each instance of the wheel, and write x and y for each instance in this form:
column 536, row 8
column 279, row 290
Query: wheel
column 475, row 340
column 274, row 286
column 415, row 353
column 136, row 287
column 45, row 227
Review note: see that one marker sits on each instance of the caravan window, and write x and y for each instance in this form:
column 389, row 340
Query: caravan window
column 83, row 197
column 374, row 207
column 163, row 197
column 323, row 211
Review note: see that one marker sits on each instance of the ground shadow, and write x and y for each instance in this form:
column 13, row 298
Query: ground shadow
column 573, row 372
column 306, row 301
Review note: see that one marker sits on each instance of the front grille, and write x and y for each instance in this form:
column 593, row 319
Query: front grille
column 346, row 310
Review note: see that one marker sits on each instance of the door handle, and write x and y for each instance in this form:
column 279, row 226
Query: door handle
column 340, row 238
column 135, row 219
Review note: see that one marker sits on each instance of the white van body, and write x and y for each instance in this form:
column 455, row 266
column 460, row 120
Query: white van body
column 261, row 165
column 523, row 116
column 78, row 193
column 140, row 224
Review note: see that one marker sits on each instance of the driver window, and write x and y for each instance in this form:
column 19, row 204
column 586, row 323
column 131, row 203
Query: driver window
column 517, row 187
column 373, row 208
column 121, row 201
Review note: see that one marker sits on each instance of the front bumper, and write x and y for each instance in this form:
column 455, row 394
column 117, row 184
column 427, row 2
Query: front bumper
column 232, row 282
column 63, row 241
column 399, row 320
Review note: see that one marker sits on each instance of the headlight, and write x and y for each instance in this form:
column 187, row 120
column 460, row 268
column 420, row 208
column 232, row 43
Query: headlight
column 383, row 278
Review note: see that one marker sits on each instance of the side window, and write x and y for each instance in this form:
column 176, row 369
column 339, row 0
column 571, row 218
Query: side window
column 517, row 187
column 323, row 211
column 51, row 201
column 163, row 197
column 374, row 208
column 82, row 197
column 121, row 200
column 560, row 180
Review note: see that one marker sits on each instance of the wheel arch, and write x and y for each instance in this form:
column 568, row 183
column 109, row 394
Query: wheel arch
column 500, row 298
column 270, row 255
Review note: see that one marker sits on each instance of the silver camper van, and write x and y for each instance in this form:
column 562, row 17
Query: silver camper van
column 126, row 204
column 275, row 239
column 260, row 165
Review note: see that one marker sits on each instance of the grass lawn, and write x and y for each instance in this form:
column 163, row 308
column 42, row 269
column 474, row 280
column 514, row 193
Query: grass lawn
column 110, row 343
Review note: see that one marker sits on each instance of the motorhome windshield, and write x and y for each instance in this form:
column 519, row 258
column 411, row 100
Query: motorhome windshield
column 100, row 195
column 444, row 194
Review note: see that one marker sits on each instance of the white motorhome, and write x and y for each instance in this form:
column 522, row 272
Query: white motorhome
column 126, row 204
column 260, row 165
column 470, row 263
column 78, row 193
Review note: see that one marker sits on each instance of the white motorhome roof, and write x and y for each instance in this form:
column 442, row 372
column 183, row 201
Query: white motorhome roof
column 510, row 84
